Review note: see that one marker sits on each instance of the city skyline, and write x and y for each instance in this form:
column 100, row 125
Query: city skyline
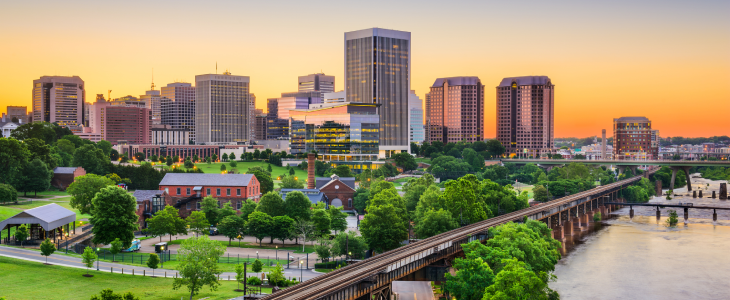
column 646, row 61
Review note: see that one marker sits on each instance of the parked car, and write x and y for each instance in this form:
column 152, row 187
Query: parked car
column 135, row 246
column 213, row 230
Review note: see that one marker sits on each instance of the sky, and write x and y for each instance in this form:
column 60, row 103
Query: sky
column 666, row 60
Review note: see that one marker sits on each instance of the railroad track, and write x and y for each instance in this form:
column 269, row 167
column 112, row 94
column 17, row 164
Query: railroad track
column 339, row 279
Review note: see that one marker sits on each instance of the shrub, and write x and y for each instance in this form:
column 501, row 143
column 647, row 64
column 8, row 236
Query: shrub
column 329, row 265
column 673, row 218
column 597, row 217
column 253, row 280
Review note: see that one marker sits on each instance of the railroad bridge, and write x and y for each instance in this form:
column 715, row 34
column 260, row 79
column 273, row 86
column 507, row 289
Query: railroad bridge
column 427, row 260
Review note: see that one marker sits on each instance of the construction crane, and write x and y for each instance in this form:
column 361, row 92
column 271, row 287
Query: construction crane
column 109, row 96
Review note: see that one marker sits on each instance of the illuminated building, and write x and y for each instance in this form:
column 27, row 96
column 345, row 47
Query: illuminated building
column 455, row 110
column 177, row 107
column 525, row 114
column 632, row 139
column 59, row 99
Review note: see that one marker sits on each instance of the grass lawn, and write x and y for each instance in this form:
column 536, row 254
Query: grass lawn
column 235, row 244
column 242, row 167
column 33, row 280
column 7, row 212
column 324, row 270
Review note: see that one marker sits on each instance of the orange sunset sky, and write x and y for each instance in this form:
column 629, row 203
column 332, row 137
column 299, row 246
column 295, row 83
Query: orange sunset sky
column 666, row 60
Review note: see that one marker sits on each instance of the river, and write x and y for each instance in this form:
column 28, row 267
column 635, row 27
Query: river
column 622, row 258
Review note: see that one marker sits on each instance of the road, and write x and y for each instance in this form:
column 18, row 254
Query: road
column 413, row 290
column 75, row 262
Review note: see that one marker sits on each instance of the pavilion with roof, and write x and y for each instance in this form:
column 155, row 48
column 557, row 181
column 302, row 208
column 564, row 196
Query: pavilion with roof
column 48, row 221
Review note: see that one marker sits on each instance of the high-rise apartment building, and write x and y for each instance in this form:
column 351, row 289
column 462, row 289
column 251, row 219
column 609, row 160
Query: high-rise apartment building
column 118, row 123
column 525, row 114
column 633, row 139
column 455, row 110
column 59, row 99
column 378, row 70
column 152, row 100
column 177, row 107
column 415, row 118
column 222, row 112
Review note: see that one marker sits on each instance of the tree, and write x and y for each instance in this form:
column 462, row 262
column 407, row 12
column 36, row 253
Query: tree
column 259, row 225
column 39, row 130
column 434, row 222
column 382, row 227
column 257, row 266
column 198, row 223
column 265, row 182
column 139, row 156
column 297, row 205
column 198, row 264
column 495, row 148
column 323, row 249
column 88, row 257
column 247, row 208
column 8, row 193
column 271, row 204
column 114, row 155
column 291, row 171
column 281, row 228
column 113, row 216
column 13, row 156
column 215, row 157
column 210, row 208
column 227, row 210
column 321, row 221
column 343, row 171
column 223, row 168
column 224, row 157
column 304, row 229
column 256, row 154
column 40, row 150
column 231, row 227
column 108, row 294
column 47, row 248
column 338, row 219
column 540, row 193
column 405, row 161
column 240, row 274
column 168, row 161
column 290, row 182
column 208, row 160
column 36, row 177
column 349, row 242
column 188, row 164
column 275, row 160
column 105, row 147
column 475, row 160
column 152, row 262
column 473, row 276
column 276, row 276
column 515, row 281
column 116, row 247
column 361, row 199
column 166, row 221
column 21, row 234
column 90, row 158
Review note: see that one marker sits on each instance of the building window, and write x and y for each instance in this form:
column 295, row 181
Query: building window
column 178, row 191
column 238, row 205
column 238, row 192
column 228, row 192
column 349, row 202
column 197, row 205
column 188, row 191
column 167, row 190
column 187, row 205
column 218, row 192
column 207, row 192
column 219, row 205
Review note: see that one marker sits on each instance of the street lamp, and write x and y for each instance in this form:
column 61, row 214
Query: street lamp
column 301, row 272
column 162, row 261
column 97, row 259
column 257, row 255
column 277, row 253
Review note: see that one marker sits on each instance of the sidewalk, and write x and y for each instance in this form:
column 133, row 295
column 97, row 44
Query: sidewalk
column 75, row 262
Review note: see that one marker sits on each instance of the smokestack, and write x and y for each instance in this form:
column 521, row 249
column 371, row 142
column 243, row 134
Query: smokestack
column 310, row 170
column 603, row 144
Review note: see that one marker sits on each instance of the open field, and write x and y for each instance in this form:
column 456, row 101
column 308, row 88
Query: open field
column 31, row 280
column 242, row 167
column 235, row 244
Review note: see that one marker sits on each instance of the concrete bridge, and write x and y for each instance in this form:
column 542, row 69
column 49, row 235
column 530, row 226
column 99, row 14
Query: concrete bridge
column 429, row 259
column 675, row 165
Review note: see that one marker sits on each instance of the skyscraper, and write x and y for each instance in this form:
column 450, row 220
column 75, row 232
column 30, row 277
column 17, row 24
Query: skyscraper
column 377, row 70
column 177, row 107
column 119, row 123
column 525, row 114
column 152, row 100
column 278, row 111
column 59, row 99
column 633, row 138
column 316, row 82
column 222, row 110
column 455, row 110
column 415, row 118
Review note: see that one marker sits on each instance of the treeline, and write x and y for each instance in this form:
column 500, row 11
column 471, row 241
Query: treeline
column 487, row 150
column 678, row 140
column 572, row 142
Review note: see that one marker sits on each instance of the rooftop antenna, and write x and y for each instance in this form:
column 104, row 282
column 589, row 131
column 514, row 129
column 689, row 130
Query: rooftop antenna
column 153, row 79
column 216, row 67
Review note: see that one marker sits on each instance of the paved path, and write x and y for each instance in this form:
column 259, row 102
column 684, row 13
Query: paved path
column 413, row 290
column 75, row 262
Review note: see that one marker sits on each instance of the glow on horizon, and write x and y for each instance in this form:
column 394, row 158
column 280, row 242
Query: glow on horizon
column 666, row 60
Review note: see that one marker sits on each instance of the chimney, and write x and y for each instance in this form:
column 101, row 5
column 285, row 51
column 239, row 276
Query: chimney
column 310, row 170
column 603, row 144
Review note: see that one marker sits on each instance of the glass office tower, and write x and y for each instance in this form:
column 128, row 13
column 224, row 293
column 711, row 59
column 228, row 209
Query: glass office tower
column 377, row 70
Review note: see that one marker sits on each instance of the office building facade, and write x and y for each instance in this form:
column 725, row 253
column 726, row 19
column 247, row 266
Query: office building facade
column 177, row 107
column 222, row 112
column 415, row 119
column 633, row 139
column 59, row 99
column 378, row 70
column 278, row 111
column 456, row 110
column 260, row 127
column 316, row 83
column 165, row 135
column 152, row 100
column 18, row 112
column 526, row 114
column 120, row 124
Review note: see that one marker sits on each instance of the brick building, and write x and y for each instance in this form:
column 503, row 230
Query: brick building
column 632, row 139
column 64, row 176
column 338, row 192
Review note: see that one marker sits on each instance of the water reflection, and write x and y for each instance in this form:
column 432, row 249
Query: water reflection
column 621, row 258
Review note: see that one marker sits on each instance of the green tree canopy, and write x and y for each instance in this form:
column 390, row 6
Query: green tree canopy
column 361, row 199
column 290, row 182
column 39, row 130
column 247, row 208
column 198, row 223
column 113, row 216
column 297, row 205
column 13, row 156
column 231, row 227
column 271, row 204
column 40, row 150
column 265, row 181
column 515, row 281
column 47, row 248
column 495, row 148
column 83, row 190
column 198, row 264
column 259, row 225
column 210, row 208
column 338, row 219
column 473, row 276
column 434, row 222
column 90, row 158
column 349, row 241
column 166, row 222
column 105, row 147
column 36, row 177
column 321, row 220
column 226, row 211
column 282, row 227
column 405, row 161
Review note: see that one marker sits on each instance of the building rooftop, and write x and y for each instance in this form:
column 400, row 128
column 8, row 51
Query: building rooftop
column 461, row 80
column 323, row 181
column 631, row 119
column 314, row 195
column 64, row 170
column 199, row 179
column 142, row 195
column 49, row 216
column 525, row 80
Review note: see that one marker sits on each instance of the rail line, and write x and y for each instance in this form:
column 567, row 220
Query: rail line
column 339, row 279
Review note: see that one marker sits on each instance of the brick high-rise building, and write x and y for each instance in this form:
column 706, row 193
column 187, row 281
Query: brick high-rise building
column 59, row 99
column 118, row 123
column 525, row 114
column 455, row 110
column 632, row 139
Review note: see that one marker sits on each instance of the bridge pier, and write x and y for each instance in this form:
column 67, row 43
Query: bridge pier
column 686, row 215
column 631, row 212
column 558, row 233
column 686, row 174
column 714, row 215
column 723, row 191
column 658, row 214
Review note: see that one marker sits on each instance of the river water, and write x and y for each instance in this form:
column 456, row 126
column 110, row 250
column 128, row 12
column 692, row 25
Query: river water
column 622, row 258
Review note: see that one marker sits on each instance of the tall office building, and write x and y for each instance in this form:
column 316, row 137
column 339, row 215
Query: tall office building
column 526, row 114
column 278, row 111
column 18, row 112
column 177, row 107
column 455, row 110
column 378, row 70
column 222, row 113
column 316, row 83
column 152, row 99
column 59, row 99
column 633, row 138
column 119, row 123
column 415, row 118
column 128, row 101
column 252, row 117
column 260, row 127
